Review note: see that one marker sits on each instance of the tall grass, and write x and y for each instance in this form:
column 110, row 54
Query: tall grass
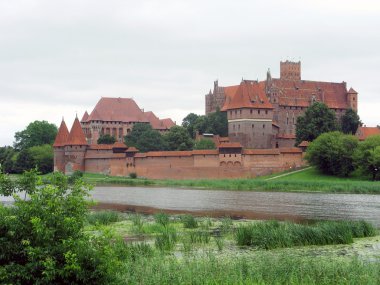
column 162, row 219
column 167, row 239
column 260, row 269
column 103, row 217
column 273, row 234
column 189, row 221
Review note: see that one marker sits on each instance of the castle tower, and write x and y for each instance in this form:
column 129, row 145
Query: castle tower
column 352, row 99
column 290, row 70
column 59, row 147
column 75, row 149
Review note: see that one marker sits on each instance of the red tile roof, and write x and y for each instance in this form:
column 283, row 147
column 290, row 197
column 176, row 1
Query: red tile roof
column 132, row 149
column 365, row 132
column 119, row 145
column 249, row 94
column 268, row 151
column 100, row 146
column 286, row 136
column 76, row 136
column 85, row 117
column 117, row 109
column 62, row 135
column 230, row 145
column 205, row 151
column 304, row 144
column 290, row 150
column 164, row 153
column 168, row 123
column 352, row 91
column 300, row 93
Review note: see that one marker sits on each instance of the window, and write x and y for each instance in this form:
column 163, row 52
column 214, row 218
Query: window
column 250, row 111
column 266, row 112
column 240, row 112
column 239, row 127
column 263, row 126
column 253, row 125
column 235, row 112
column 258, row 112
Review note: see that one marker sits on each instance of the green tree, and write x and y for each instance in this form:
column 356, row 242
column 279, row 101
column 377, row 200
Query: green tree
column 332, row 153
column 218, row 123
column 36, row 133
column 144, row 138
column 106, row 139
column 318, row 119
column 366, row 156
column 178, row 139
column 23, row 161
column 204, row 144
column 350, row 122
column 6, row 158
column 42, row 157
column 42, row 237
column 189, row 123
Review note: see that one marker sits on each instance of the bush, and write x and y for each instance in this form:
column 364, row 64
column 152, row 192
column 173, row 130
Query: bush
column 77, row 174
column 189, row 221
column 42, row 238
column 103, row 217
column 273, row 234
column 332, row 153
column 133, row 175
column 162, row 219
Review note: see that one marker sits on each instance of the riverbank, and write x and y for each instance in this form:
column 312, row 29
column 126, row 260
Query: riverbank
column 308, row 180
column 164, row 249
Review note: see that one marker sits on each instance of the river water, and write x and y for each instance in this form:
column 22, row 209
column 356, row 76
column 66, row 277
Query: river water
column 243, row 204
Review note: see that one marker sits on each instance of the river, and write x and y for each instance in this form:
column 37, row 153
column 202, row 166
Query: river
column 241, row 204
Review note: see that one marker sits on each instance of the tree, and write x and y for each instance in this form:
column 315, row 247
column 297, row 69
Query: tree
column 144, row 138
column 332, row 153
column 42, row 237
column 106, row 139
column 318, row 119
column 366, row 156
column 178, row 139
column 204, row 144
column 6, row 158
column 218, row 123
column 350, row 122
column 36, row 133
column 189, row 123
column 42, row 157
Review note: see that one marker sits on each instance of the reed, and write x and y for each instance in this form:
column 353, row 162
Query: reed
column 103, row 217
column 189, row 221
column 274, row 234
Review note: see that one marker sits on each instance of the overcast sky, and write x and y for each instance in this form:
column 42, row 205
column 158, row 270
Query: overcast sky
column 59, row 57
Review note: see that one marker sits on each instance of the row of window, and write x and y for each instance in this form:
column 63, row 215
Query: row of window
column 251, row 111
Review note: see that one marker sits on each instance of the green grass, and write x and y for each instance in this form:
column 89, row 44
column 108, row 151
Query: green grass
column 273, row 234
column 178, row 255
column 309, row 180
column 103, row 217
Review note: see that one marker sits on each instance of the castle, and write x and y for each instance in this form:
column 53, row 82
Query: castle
column 263, row 114
column 116, row 117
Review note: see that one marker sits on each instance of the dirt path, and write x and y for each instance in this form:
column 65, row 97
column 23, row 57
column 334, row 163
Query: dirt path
column 289, row 173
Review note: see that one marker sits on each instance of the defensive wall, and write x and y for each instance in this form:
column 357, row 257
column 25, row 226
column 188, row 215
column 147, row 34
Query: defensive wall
column 196, row 164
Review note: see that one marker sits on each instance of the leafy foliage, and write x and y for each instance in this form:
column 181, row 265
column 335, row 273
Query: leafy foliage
column 215, row 123
column 332, row 153
column 36, row 133
column 350, row 122
column 178, row 139
column 367, row 156
column 144, row 138
column 204, row 144
column 42, row 239
column 318, row 119
column 106, row 139
column 7, row 154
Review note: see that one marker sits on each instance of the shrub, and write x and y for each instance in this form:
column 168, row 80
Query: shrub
column 77, row 174
column 189, row 221
column 42, row 238
column 103, row 217
column 133, row 175
column 162, row 219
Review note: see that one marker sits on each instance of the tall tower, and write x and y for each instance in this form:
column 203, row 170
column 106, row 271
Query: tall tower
column 290, row 70
column 59, row 147
column 352, row 98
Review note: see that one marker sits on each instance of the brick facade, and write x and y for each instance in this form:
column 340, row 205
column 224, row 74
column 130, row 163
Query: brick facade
column 263, row 114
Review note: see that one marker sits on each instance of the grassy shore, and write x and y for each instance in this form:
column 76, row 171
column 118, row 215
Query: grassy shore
column 308, row 180
column 164, row 249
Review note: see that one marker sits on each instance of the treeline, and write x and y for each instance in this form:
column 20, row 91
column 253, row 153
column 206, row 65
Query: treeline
column 32, row 148
column 335, row 153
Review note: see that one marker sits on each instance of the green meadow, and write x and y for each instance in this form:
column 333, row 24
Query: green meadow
column 307, row 180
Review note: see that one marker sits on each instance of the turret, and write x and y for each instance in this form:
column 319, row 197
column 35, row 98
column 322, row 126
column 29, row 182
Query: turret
column 75, row 149
column 352, row 99
column 290, row 70
column 59, row 147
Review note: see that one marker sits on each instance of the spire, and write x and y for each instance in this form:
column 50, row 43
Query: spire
column 352, row 91
column 76, row 136
column 85, row 117
column 62, row 135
